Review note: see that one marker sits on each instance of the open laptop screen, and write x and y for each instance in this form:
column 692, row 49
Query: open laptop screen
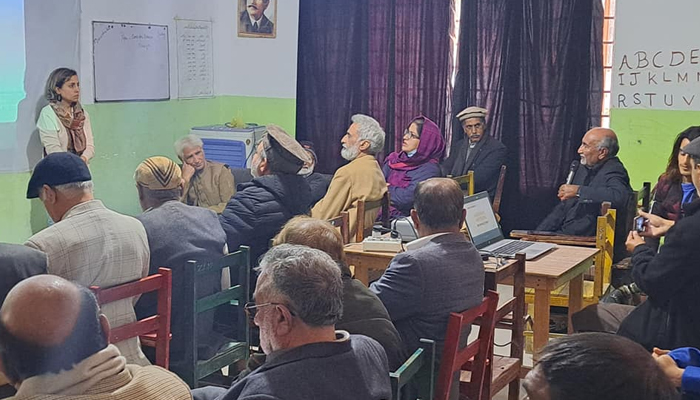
column 481, row 221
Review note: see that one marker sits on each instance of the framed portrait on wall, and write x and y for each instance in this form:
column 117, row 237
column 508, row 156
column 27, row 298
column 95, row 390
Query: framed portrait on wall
column 257, row 18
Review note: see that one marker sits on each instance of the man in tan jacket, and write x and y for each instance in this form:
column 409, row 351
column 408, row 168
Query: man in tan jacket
column 208, row 184
column 361, row 179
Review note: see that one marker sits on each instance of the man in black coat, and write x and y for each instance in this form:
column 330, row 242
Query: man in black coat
column 478, row 152
column 277, row 193
column 668, row 319
column 600, row 177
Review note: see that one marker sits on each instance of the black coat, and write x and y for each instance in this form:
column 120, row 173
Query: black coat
column 485, row 160
column 668, row 319
column 17, row 263
column 606, row 181
column 256, row 213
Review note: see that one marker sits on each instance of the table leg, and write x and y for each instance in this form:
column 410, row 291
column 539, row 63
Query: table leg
column 541, row 328
column 575, row 298
column 362, row 274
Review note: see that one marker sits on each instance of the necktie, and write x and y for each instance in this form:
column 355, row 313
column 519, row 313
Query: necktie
column 255, row 27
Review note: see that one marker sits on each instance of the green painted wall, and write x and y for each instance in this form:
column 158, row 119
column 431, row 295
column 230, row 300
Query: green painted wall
column 646, row 138
column 125, row 134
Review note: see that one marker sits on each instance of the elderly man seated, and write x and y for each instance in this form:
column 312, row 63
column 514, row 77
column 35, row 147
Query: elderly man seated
column 361, row 179
column 601, row 177
column 478, row 152
column 257, row 212
column 178, row 233
column 438, row 274
column 208, row 183
column 53, row 345
column 298, row 301
column 597, row 366
column 88, row 244
column 668, row 318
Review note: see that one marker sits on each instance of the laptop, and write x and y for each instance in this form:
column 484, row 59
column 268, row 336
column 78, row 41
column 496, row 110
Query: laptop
column 486, row 235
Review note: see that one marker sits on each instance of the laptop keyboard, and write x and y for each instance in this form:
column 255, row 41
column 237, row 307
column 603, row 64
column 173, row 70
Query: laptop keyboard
column 512, row 247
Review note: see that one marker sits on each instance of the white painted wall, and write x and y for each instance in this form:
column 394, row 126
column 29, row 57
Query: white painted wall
column 242, row 66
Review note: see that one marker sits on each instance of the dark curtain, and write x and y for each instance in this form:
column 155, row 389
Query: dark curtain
column 536, row 66
column 387, row 59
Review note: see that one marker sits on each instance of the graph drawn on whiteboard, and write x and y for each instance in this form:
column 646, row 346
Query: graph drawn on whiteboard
column 131, row 61
column 194, row 59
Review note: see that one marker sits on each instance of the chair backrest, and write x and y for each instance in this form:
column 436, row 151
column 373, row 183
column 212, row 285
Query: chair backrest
column 363, row 207
column 193, row 369
column 419, row 368
column 499, row 189
column 342, row 222
column 605, row 242
column 159, row 323
column 454, row 358
column 466, row 182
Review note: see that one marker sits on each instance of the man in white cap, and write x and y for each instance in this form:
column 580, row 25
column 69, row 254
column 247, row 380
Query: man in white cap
column 478, row 152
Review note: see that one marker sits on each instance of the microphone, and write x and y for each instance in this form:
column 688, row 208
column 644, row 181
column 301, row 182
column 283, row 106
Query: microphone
column 572, row 171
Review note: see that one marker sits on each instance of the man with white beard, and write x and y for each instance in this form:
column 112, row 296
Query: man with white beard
column 277, row 193
column 361, row 179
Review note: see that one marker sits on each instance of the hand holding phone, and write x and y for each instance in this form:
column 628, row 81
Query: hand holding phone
column 640, row 224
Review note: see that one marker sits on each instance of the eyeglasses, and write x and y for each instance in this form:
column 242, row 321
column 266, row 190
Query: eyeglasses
column 251, row 309
column 410, row 134
column 474, row 127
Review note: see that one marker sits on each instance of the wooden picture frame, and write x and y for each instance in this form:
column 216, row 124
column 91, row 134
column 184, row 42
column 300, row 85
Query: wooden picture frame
column 257, row 19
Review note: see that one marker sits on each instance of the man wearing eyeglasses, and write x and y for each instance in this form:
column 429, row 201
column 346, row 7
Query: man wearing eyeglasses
column 298, row 302
column 478, row 152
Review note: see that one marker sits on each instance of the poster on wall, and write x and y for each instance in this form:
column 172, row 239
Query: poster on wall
column 257, row 18
column 195, row 61
column 656, row 57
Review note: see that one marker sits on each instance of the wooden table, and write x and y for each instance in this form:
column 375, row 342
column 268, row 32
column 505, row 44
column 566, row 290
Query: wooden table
column 544, row 274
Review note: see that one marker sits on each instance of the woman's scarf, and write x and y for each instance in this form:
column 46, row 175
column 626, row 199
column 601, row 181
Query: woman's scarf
column 430, row 150
column 74, row 125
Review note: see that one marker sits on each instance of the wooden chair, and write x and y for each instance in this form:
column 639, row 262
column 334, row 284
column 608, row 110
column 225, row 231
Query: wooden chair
column 604, row 240
column 474, row 356
column 342, row 222
column 194, row 369
column 419, row 368
column 499, row 189
column 158, row 324
column 466, row 182
column 363, row 207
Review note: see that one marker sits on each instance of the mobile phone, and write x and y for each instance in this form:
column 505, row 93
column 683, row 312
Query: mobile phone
column 640, row 224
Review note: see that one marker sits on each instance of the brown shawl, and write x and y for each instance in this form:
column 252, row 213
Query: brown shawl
column 74, row 125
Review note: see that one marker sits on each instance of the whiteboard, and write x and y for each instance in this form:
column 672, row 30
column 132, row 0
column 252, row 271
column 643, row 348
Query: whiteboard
column 195, row 64
column 131, row 61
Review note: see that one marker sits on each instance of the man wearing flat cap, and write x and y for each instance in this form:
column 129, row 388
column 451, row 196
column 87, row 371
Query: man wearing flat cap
column 88, row 244
column 668, row 319
column 178, row 233
column 477, row 152
column 277, row 193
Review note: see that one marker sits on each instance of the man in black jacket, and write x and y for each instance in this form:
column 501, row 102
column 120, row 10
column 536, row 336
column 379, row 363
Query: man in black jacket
column 668, row 319
column 260, row 207
column 477, row 152
column 600, row 177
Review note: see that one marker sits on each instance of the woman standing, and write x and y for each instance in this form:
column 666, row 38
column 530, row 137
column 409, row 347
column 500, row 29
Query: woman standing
column 63, row 124
column 419, row 159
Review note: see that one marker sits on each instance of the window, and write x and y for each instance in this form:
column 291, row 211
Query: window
column 608, row 41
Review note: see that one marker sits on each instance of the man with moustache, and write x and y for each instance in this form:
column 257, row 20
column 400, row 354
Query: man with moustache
column 253, row 20
column 361, row 179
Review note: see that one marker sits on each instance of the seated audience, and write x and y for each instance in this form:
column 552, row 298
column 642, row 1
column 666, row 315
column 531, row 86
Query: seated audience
column 318, row 182
column 419, row 159
column 208, row 183
column 54, row 345
column 596, row 366
column 682, row 367
column 478, row 152
column 601, row 177
column 258, row 210
column 178, row 233
column 298, row 301
column 675, row 187
column 363, row 312
column 88, row 244
column 668, row 318
column 438, row 274
column 361, row 179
